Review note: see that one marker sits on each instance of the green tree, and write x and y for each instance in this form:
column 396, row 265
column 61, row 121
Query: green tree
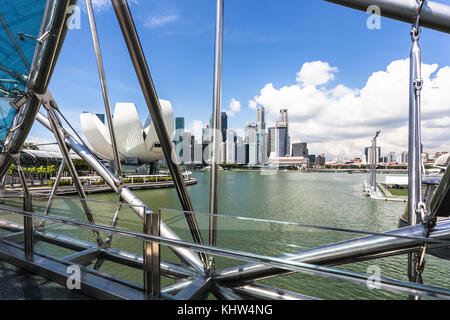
column 12, row 169
column 81, row 165
column 51, row 170
column 41, row 171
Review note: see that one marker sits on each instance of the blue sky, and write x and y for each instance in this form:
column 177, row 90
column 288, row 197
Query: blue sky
column 265, row 41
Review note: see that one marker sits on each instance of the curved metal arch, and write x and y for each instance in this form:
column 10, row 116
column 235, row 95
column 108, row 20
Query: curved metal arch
column 46, row 54
column 434, row 15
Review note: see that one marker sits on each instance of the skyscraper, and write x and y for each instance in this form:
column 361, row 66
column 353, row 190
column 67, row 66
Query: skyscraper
column 262, row 147
column 197, row 153
column 262, row 136
column 260, row 118
column 252, row 138
column 224, row 120
column 253, row 154
column 271, row 141
column 368, row 154
column 391, row 157
column 187, row 148
column 231, row 146
column 282, row 139
column 300, row 149
column 283, row 115
column 241, row 153
column 179, row 123
column 405, row 157
column 320, row 159
column 223, row 152
column 250, row 132
column 178, row 137
column 224, row 123
column 179, row 129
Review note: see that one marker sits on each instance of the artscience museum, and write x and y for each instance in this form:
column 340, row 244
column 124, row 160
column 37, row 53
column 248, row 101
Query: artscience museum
column 137, row 144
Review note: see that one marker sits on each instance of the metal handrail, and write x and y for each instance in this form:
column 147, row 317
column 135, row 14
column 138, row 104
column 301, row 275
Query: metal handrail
column 305, row 225
column 35, row 194
column 385, row 283
column 434, row 15
column 287, row 223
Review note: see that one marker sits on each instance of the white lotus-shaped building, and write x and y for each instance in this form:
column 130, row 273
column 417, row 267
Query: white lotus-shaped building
column 133, row 141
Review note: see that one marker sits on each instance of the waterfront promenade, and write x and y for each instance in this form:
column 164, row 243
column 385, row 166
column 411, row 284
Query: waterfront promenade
column 379, row 171
column 67, row 190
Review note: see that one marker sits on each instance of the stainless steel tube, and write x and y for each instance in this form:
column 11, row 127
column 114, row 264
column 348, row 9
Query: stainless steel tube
column 216, row 125
column 441, row 232
column 434, row 15
column 73, row 172
column 139, row 207
column 262, row 292
column 55, row 186
column 414, row 146
column 101, row 73
column 27, row 206
column 28, row 227
column 53, row 192
column 414, row 152
column 359, row 249
column 440, row 203
column 375, row 165
column 151, row 257
column 374, row 162
column 131, row 37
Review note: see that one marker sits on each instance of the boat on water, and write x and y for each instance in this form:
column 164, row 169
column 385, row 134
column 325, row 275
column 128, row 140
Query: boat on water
column 27, row 69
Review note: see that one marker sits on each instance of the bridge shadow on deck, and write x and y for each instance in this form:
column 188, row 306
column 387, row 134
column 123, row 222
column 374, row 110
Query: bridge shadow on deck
column 19, row 284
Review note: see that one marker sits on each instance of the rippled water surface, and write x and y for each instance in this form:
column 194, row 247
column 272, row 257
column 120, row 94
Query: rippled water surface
column 312, row 198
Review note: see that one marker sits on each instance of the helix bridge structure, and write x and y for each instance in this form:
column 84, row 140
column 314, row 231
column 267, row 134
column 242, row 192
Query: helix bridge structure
column 180, row 265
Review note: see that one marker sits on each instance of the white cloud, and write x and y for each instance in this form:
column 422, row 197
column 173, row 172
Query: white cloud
column 340, row 121
column 316, row 73
column 233, row 108
column 154, row 22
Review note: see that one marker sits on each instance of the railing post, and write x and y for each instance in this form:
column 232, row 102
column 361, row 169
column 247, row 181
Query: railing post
column 152, row 281
column 28, row 207
column 28, row 225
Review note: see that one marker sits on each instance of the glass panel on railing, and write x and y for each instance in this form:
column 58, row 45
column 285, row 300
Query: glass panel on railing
column 62, row 239
column 258, row 236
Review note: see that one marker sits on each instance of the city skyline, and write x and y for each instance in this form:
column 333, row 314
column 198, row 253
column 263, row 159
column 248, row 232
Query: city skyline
column 299, row 149
column 256, row 147
column 334, row 102
column 264, row 143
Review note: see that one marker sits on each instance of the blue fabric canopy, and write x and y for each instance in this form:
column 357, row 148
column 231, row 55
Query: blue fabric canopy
column 20, row 23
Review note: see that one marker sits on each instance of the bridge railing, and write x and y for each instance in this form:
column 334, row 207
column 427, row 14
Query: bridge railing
column 149, row 267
